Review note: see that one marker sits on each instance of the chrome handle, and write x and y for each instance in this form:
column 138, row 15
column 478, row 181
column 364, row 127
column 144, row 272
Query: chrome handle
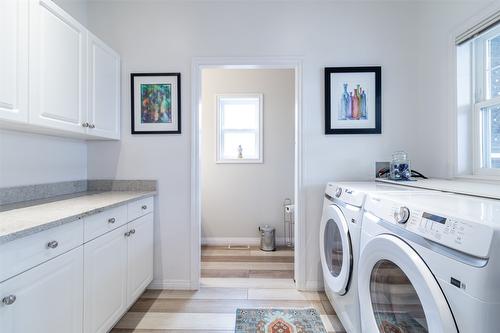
column 52, row 244
column 85, row 124
column 112, row 220
column 144, row 207
column 91, row 126
column 9, row 300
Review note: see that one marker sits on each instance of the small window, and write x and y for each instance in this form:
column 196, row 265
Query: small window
column 485, row 65
column 239, row 128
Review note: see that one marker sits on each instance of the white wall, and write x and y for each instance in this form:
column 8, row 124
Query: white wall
column 164, row 36
column 27, row 159
column 76, row 8
column 434, row 122
column 237, row 198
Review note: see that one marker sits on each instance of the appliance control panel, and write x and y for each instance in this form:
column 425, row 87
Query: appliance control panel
column 460, row 234
column 346, row 195
column 468, row 237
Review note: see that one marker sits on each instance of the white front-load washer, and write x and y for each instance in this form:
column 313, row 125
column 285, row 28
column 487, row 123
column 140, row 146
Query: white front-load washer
column 340, row 232
column 430, row 263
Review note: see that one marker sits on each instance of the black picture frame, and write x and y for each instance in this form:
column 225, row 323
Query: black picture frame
column 377, row 129
column 134, row 129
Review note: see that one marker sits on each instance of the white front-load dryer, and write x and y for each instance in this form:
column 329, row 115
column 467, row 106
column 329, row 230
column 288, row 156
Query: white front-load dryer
column 340, row 232
column 430, row 263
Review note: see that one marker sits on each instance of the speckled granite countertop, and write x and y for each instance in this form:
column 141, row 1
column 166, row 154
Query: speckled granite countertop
column 24, row 219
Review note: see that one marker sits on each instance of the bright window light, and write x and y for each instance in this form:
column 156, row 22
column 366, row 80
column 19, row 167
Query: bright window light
column 239, row 128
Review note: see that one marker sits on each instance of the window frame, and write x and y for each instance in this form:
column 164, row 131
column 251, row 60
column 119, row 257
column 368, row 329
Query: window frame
column 220, row 131
column 481, row 90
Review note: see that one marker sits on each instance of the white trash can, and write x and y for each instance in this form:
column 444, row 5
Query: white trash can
column 267, row 238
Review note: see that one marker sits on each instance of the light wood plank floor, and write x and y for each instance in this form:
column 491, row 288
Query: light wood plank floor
column 230, row 279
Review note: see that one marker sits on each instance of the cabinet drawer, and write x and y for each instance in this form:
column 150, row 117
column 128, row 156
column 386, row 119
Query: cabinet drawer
column 98, row 224
column 24, row 253
column 139, row 208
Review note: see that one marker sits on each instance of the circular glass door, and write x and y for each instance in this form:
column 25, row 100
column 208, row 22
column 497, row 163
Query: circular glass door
column 399, row 291
column 396, row 305
column 335, row 250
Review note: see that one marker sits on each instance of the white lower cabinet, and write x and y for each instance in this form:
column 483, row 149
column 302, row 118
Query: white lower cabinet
column 140, row 257
column 66, row 285
column 105, row 280
column 45, row 299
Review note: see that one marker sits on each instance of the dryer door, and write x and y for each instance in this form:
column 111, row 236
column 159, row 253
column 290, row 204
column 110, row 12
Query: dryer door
column 335, row 250
column 398, row 292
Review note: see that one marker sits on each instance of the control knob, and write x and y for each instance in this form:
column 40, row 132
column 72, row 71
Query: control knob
column 338, row 192
column 402, row 215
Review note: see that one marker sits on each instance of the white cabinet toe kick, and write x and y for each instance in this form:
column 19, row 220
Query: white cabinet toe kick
column 77, row 277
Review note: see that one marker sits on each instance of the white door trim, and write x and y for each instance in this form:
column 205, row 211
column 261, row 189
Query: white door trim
column 197, row 65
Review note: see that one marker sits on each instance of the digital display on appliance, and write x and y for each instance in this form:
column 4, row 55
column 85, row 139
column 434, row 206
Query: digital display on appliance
column 434, row 218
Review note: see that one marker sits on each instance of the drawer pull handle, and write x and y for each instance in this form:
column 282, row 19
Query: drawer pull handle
column 52, row 244
column 112, row 220
column 144, row 207
column 9, row 300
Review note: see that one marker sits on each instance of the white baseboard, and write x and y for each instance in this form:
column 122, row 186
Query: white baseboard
column 225, row 241
column 171, row 284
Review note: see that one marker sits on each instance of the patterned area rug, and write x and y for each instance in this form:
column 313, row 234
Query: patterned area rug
column 278, row 321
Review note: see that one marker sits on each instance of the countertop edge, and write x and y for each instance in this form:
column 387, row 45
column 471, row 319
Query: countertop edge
column 72, row 218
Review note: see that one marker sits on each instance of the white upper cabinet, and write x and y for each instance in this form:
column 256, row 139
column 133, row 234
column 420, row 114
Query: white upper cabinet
column 14, row 60
column 57, row 68
column 104, row 89
column 55, row 76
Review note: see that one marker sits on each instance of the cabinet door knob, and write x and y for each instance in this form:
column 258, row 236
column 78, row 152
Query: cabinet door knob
column 144, row 207
column 91, row 126
column 85, row 124
column 132, row 231
column 52, row 244
column 9, row 300
column 112, row 220
column 127, row 234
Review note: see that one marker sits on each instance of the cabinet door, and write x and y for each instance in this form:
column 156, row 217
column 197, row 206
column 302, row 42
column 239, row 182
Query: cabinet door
column 57, row 60
column 14, row 60
column 140, row 256
column 48, row 298
column 105, row 286
column 104, row 90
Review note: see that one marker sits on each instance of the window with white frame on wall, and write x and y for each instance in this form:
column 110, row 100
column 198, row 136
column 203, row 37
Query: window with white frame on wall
column 239, row 128
column 478, row 95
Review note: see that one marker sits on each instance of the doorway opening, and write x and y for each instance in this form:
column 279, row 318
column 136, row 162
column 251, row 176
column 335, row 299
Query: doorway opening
column 246, row 169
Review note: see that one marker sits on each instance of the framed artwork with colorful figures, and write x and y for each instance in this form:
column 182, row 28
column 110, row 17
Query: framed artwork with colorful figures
column 353, row 100
column 156, row 103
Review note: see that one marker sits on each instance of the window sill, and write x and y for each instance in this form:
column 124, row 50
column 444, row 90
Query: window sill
column 491, row 179
column 243, row 161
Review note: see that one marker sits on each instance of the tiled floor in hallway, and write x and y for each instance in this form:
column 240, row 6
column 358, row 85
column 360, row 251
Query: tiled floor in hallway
column 231, row 279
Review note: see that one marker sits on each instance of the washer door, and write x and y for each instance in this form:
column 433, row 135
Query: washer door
column 335, row 250
column 398, row 291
